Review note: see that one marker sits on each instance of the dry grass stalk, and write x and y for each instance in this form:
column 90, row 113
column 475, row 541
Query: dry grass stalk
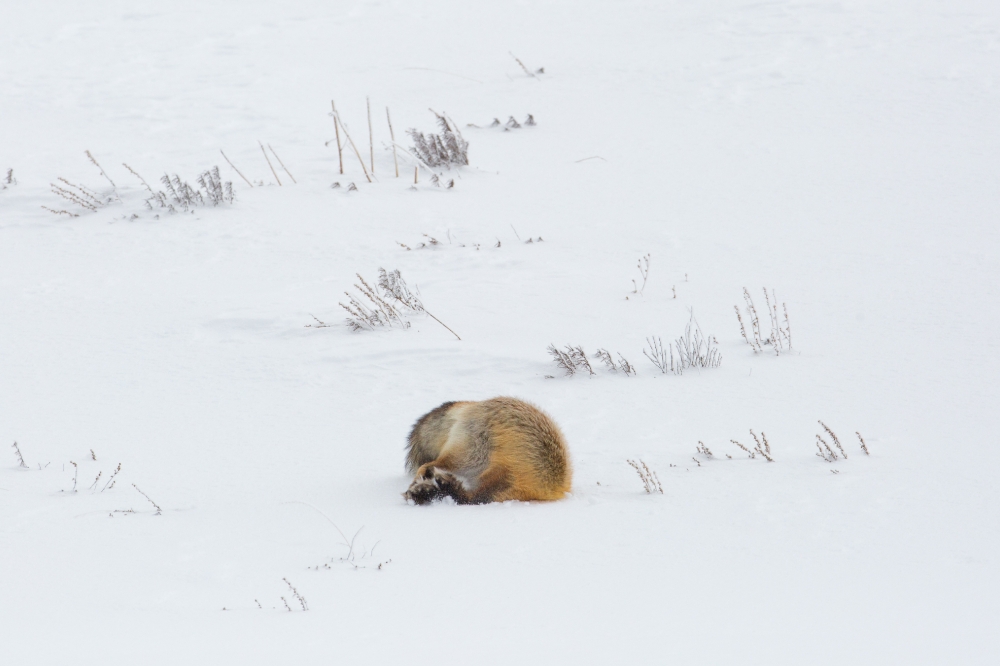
column 60, row 212
column 825, row 452
column 833, row 436
column 287, row 607
column 110, row 483
column 604, row 356
column 141, row 179
column 78, row 195
column 282, row 164
column 658, row 356
column 318, row 324
column 764, row 448
column 76, row 471
column 101, row 169
column 356, row 152
column 269, row 162
column 93, row 486
column 336, row 128
column 750, row 453
column 644, row 272
column 20, row 458
column 159, row 511
column 704, row 450
column 526, row 70
column 371, row 137
column 237, row 170
column 650, row 481
column 295, row 593
column 9, row 178
column 392, row 138
column 864, row 447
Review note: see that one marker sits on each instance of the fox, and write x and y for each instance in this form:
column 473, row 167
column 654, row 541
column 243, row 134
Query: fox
column 488, row 451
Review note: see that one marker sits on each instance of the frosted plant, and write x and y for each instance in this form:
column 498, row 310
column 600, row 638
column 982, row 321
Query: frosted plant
column 693, row 350
column 441, row 150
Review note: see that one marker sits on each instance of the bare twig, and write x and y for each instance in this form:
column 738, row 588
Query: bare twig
column 347, row 133
column 110, row 483
column 237, row 170
column 283, row 165
column 526, row 70
column 143, row 180
column 864, row 447
column 269, row 162
column 20, row 458
column 836, row 440
column 113, row 186
column 392, row 138
column 336, row 128
column 155, row 505
column 371, row 140
column 299, row 597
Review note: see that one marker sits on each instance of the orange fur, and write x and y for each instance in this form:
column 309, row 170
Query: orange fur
column 489, row 451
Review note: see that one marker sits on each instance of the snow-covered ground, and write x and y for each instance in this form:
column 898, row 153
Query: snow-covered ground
column 844, row 154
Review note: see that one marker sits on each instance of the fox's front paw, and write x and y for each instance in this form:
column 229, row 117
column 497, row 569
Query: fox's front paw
column 422, row 491
column 430, row 484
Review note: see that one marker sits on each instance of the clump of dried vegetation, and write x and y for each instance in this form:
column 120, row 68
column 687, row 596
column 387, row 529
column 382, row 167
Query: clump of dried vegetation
column 440, row 150
column 388, row 304
column 649, row 478
column 780, row 337
column 572, row 360
column 761, row 447
column 177, row 196
column 830, row 454
column 693, row 350
column 181, row 196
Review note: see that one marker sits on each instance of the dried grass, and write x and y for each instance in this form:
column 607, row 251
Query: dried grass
column 572, row 359
column 440, row 150
column 694, row 350
column 389, row 303
column 780, row 337
column 650, row 480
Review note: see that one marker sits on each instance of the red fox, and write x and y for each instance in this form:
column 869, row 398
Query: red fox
column 490, row 451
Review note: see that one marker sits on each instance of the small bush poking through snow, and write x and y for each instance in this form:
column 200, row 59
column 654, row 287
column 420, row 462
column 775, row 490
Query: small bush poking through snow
column 441, row 150
column 760, row 448
column 390, row 303
column 694, row 350
column 180, row 195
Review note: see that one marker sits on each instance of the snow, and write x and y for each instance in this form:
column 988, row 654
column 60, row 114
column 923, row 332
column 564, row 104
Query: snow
column 843, row 154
